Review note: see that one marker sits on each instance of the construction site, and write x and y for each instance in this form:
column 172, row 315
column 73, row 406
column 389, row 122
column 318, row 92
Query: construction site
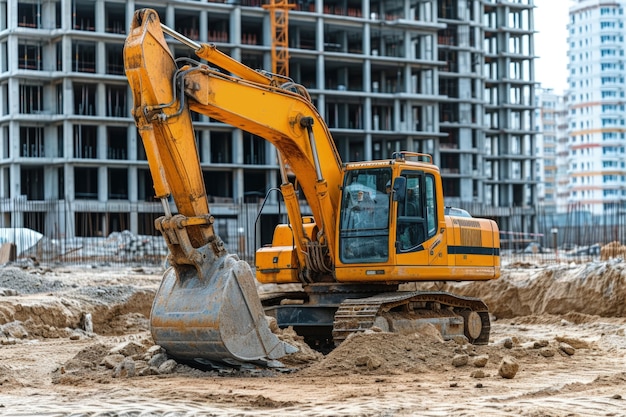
column 561, row 327
column 340, row 236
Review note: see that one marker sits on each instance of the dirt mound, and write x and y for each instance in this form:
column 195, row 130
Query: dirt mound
column 305, row 354
column 381, row 353
column 45, row 303
column 596, row 288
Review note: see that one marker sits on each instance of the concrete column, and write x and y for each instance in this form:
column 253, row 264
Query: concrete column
column 203, row 27
column 397, row 116
column 101, row 98
column 69, row 197
column 367, row 76
column 68, row 142
column 101, row 58
column 132, row 184
column 51, row 183
column 132, row 142
column 14, row 140
column 271, row 158
column 103, row 184
column 270, row 180
column 170, row 16
column 267, row 41
column 99, row 16
column 68, row 98
column 321, row 105
column 367, row 114
column 238, row 157
column 11, row 14
column 133, row 219
column 101, row 142
column 238, row 185
column 407, row 80
column 130, row 12
column 321, row 71
column 367, row 42
column 14, row 97
column 16, row 180
column 66, row 14
column 234, row 36
column 367, row 147
column 204, row 138
column 5, row 181
column 319, row 31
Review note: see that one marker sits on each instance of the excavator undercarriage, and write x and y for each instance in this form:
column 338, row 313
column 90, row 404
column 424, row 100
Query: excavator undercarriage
column 325, row 315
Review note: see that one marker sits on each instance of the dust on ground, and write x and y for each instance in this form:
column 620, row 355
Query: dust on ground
column 557, row 348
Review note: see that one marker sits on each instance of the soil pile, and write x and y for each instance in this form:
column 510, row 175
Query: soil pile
column 596, row 288
column 382, row 353
column 41, row 302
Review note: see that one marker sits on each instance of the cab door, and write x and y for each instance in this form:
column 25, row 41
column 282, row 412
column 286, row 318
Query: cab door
column 417, row 239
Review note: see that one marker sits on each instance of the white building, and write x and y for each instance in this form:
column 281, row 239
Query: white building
column 596, row 124
column 552, row 150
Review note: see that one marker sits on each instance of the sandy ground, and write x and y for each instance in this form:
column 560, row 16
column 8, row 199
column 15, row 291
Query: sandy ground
column 563, row 327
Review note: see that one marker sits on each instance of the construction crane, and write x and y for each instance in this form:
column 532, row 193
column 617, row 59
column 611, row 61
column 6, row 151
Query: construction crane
column 279, row 25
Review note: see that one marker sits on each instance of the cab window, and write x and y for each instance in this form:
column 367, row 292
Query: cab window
column 364, row 221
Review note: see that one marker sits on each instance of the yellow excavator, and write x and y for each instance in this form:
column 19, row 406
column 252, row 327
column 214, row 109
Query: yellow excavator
column 370, row 226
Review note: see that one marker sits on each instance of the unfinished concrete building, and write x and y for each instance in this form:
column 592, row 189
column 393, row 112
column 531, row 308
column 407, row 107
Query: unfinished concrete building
column 452, row 78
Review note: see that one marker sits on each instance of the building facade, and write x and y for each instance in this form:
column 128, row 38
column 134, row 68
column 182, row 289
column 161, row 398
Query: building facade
column 451, row 78
column 596, row 143
column 552, row 149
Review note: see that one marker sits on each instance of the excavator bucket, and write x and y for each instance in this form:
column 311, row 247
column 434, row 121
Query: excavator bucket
column 214, row 319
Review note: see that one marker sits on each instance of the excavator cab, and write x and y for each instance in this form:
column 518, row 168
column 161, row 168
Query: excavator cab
column 385, row 211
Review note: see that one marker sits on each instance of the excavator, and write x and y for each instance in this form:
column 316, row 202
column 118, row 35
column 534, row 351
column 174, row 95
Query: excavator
column 338, row 264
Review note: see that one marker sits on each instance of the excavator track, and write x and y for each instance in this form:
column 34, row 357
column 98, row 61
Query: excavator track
column 453, row 315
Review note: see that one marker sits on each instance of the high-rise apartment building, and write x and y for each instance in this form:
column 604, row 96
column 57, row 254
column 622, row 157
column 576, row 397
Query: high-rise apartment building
column 452, row 78
column 597, row 161
column 552, row 165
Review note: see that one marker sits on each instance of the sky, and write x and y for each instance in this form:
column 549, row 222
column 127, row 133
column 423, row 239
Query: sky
column 551, row 17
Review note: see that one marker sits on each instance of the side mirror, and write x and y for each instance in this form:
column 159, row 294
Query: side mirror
column 399, row 189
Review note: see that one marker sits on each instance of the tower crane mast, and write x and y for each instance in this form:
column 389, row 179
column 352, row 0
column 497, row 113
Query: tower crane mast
column 279, row 25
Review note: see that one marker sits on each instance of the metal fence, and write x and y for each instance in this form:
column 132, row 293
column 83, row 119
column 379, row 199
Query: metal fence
column 575, row 236
column 126, row 248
